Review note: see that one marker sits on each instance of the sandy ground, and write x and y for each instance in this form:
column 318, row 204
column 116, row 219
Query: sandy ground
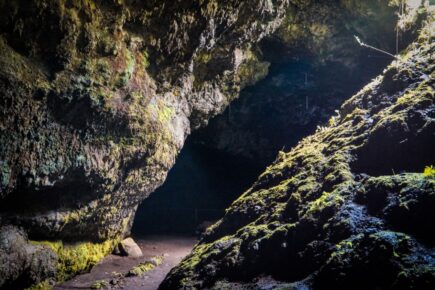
column 173, row 248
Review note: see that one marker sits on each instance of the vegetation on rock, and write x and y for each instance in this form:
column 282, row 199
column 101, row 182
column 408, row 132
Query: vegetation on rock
column 77, row 258
column 344, row 204
column 138, row 270
column 147, row 266
column 429, row 172
column 99, row 96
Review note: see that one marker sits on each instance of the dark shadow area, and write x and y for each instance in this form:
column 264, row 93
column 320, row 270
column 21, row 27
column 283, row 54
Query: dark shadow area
column 70, row 192
column 393, row 145
column 198, row 188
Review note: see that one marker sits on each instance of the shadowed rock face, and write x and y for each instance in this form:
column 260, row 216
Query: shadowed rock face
column 97, row 98
column 348, row 208
column 21, row 263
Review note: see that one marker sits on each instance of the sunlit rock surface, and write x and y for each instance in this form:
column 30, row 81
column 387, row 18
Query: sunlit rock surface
column 348, row 208
column 128, row 247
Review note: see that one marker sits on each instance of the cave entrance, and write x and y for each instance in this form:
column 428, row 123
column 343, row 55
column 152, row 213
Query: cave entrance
column 203, row 182
column 219, row 162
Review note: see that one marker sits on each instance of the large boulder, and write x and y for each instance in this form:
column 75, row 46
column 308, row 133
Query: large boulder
column 21, row 263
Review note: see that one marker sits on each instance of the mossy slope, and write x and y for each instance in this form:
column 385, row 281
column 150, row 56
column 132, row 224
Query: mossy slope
column 348, row 208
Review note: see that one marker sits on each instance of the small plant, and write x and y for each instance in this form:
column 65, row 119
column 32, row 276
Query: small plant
column 321, row 128
column 101, row 284
column 141, row 269
column 429, row 172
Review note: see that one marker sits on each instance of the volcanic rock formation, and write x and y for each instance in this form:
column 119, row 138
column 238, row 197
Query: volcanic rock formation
column 98, row 96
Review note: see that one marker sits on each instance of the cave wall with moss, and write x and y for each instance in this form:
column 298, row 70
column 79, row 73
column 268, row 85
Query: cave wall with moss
column 99, row 96
column 349, row 207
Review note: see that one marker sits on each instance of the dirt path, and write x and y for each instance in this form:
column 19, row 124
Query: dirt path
column 172, row 248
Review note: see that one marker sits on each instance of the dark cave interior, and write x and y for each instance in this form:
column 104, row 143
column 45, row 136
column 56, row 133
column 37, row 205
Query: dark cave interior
column 203, row 182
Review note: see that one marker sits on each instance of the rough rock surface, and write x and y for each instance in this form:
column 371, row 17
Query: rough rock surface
column 128, row 247
column 97, row 98
column 22, row 263
column 348, row 208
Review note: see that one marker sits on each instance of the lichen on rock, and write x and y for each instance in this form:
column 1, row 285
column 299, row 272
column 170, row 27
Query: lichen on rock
column 76, row 258
column 142, row 268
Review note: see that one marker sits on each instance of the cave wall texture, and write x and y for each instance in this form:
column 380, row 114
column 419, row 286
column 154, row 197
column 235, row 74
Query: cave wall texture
column 98, row 97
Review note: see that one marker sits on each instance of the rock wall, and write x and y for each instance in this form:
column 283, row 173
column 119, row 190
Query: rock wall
column 350, row 207
column 21, row 262
column 97, row 98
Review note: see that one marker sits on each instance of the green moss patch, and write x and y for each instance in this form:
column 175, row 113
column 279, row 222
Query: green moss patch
column 77, row 258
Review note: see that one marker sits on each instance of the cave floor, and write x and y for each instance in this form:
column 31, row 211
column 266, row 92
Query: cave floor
column 171, row 248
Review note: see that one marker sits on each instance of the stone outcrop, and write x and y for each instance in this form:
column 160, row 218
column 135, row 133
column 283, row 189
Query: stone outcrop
column 97, row 98
column 21, row 263
column 350, row 207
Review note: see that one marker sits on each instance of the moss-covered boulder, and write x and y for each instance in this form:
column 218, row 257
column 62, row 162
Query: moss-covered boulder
column 347, row 208
column 40, row 264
